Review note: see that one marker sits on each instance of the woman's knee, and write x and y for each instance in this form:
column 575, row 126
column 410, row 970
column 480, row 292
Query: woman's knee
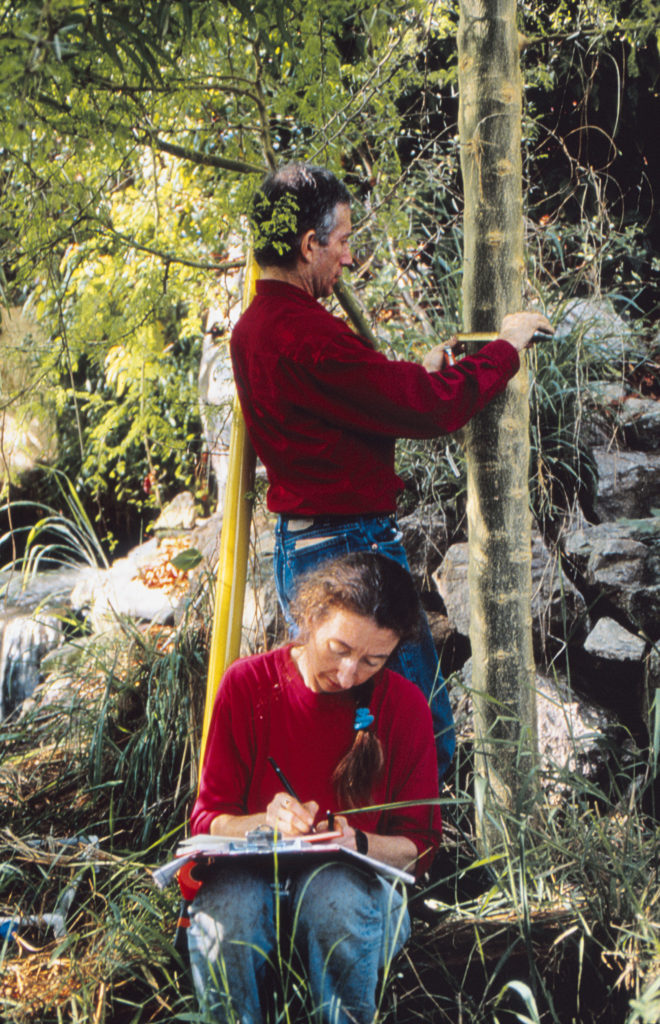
column 340, row 895
column 236, row 905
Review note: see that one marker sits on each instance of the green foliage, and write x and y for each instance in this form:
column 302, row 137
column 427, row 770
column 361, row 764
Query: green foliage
column 54, row 539
column 278, row 229
column 126, row 194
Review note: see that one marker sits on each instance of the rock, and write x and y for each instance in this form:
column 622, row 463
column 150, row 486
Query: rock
column 606, row 393
column 639, row 419
column 600, row 403
column 611, row 642
column 595, row 324
column 610, row 411
column 571, row 732
column 451, row 580
column 557, row 606
column 622, row 561
column 573, row 736
column 179, row 515
column 205, row 537
column 106, row 595
column 614, row 660
column 628, row 483
column 424, row 537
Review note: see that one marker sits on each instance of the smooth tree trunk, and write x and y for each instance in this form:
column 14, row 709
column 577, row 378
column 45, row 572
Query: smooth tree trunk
column 497, row 440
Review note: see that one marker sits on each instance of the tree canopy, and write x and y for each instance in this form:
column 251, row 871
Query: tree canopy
column 135, row 134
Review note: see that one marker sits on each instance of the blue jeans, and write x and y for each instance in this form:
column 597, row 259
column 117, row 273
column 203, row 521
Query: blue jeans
column 302, row 544
column 334, row 925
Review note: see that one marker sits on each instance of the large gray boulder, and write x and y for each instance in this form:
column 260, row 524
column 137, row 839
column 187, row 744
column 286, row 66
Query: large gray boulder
column 594, row 324
column 558, row 609
column 573, row 734
column 628, row 483
column 612, row 414
column 615, row 661
column 621, row 562
column 639, row 422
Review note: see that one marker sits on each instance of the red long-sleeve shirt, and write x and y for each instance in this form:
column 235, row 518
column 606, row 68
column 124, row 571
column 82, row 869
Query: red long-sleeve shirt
column 263, row 708
column 323, row 408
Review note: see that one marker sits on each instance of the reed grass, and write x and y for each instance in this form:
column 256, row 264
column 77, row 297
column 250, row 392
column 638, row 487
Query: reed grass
column 559, row 926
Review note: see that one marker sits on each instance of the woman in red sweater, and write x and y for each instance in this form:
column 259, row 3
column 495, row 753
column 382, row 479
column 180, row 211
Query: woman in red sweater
column 348, row 734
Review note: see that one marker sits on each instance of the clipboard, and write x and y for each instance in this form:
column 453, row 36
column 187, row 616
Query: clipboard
column 208, row 850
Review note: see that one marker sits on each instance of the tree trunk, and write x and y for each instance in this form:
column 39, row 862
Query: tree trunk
column 497, row 440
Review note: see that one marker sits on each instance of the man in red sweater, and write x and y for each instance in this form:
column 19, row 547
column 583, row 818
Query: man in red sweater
column 323, row 408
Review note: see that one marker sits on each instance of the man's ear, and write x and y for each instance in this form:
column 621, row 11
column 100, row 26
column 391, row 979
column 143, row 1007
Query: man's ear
column 308, row 243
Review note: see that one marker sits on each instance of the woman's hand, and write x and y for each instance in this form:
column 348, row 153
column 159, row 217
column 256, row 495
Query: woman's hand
column 289, row 817
column 347, row 837
column 399, row 851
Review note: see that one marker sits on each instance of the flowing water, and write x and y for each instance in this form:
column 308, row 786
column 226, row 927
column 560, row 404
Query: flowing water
column 30, row 627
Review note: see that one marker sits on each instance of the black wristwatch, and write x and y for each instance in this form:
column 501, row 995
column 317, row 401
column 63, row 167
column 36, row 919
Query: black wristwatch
column 361, row 841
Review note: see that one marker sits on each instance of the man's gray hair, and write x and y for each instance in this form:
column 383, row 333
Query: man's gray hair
column 292, row 200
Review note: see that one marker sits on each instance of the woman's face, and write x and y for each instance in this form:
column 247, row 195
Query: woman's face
column 343, row 651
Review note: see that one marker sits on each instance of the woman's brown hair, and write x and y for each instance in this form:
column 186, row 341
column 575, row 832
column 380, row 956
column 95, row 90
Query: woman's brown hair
column 365, row 583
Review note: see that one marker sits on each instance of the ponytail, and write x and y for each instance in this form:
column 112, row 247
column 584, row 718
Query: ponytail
column 361, row 767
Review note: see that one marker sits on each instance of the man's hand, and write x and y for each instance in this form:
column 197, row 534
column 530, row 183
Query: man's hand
column 439, row 357
column 519, row 328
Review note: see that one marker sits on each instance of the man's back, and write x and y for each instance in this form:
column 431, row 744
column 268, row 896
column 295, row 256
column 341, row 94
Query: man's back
column 299, row 373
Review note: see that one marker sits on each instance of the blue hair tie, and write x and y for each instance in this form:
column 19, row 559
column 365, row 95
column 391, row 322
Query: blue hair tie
column 363, row 719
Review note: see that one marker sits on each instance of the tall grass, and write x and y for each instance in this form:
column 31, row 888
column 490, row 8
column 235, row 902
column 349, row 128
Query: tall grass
column 560, row 926
column 55, row 538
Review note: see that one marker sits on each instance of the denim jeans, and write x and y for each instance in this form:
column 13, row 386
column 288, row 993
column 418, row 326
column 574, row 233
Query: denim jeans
column 302, row 544
column 335, row 925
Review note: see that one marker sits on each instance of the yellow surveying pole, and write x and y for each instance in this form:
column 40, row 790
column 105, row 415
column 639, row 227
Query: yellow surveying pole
column 234, row 543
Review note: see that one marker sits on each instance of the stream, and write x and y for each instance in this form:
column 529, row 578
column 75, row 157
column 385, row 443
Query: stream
column 30, row 626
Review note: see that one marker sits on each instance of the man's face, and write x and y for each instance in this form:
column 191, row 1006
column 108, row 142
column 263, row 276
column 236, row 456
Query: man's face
column 328, row 261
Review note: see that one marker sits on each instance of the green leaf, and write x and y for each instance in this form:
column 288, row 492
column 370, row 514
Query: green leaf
column 187, row 560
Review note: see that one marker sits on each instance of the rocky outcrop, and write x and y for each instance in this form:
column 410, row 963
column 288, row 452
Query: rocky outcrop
column 628, row 483
column 573, row 734
column 620, row 561
column 596, row 584
column 594, row 324
column 557, row 606
column 157, row 580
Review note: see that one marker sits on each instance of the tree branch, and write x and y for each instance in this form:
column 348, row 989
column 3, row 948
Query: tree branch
column 204, row 159
column 169, row 257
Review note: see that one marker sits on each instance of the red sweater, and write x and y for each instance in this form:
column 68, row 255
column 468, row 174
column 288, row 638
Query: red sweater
column 323, row 409
column 263, row 708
